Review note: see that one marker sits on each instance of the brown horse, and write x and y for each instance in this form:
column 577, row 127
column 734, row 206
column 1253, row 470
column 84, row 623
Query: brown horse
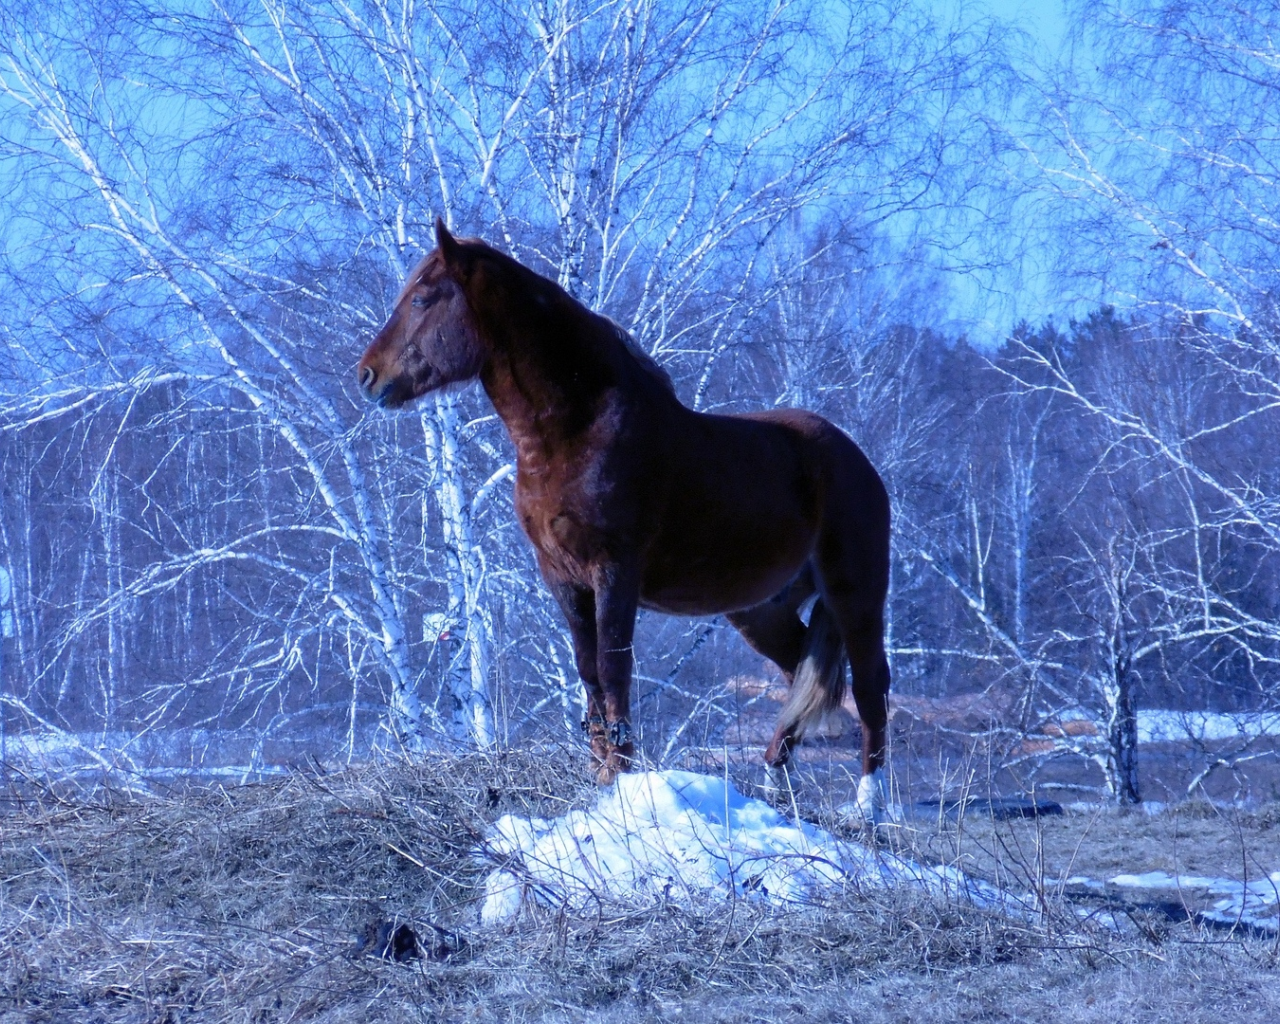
column 633, row 500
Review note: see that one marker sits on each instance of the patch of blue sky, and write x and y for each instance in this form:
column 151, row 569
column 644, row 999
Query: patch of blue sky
column 176, row 141
column 123, row 138
column 1003, row 266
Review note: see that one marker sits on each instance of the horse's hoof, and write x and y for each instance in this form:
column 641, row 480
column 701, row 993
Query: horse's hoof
column 599, row 752
column 616, row 761
column 778, row 784
column 621, row 757
column 869, row 809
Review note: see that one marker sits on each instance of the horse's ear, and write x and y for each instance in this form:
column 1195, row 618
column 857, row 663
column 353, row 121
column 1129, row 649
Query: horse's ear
column 448, row 245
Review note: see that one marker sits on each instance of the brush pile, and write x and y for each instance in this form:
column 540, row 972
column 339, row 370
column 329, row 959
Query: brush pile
column 354, row 896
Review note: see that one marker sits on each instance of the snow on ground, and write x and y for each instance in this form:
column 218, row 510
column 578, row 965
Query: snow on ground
column 678, row 834
column 1253, row 904
column 178, row 752
column 1160, row 726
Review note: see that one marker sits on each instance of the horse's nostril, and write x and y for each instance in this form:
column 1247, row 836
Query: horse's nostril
column 367, row 377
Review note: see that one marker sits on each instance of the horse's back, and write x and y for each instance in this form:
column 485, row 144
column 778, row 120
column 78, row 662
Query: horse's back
column 750, row 498
column 836, row 450
column 850, row 483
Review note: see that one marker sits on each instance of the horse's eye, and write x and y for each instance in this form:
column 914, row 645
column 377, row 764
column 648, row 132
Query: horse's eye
column 420, row 302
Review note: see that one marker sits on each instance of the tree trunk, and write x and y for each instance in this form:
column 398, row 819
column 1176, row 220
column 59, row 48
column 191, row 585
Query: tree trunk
column 1122, row 740
column 467, row 675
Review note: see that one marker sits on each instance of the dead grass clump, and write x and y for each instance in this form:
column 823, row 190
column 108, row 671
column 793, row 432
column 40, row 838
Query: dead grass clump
column 243, row 892
column 1197, row 809
column 1267, row 816
column 256, row 903
column 669, row 950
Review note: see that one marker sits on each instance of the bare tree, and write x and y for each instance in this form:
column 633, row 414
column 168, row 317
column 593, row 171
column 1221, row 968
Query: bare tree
column 1152, row 175
column 238, row 194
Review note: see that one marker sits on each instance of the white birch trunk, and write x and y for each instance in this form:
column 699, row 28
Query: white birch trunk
column 470, row 717
column 1122, row 739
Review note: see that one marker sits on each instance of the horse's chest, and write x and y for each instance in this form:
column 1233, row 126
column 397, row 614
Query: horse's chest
column 563, row 525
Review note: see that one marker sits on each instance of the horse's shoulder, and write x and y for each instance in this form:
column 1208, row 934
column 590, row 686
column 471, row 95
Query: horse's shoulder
column 810, row 424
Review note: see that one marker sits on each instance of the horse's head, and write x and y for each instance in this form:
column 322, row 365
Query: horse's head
column 430, row 339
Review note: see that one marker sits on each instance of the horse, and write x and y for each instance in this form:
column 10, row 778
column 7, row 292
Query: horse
column 774, row 519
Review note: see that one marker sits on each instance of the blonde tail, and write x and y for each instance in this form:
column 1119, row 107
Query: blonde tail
column 819, row 681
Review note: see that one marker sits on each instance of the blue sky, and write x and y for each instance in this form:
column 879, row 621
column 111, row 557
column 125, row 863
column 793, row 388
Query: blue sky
column 985, row 309
column 1045, row 20
column 986, row 306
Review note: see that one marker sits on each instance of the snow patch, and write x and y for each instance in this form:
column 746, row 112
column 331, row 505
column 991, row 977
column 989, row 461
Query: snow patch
column 1253, row 904
column 1162, row 726
column 678, row 834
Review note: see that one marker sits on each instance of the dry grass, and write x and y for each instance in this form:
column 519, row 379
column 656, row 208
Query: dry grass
column 1191, row 839
column 243, row 904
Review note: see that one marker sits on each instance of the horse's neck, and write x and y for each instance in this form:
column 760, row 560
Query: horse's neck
column 542, row 402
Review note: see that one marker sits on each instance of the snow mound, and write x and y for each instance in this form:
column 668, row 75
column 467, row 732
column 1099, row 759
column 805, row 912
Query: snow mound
column 675, row 835
column 1253, row 904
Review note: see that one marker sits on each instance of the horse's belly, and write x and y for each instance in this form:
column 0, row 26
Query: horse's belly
column 691, row 601
column 705, row 584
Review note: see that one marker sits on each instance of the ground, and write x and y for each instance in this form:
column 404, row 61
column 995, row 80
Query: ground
column 246, row 903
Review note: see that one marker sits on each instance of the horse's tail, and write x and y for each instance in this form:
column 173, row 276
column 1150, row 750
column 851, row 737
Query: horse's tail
column 819, row 681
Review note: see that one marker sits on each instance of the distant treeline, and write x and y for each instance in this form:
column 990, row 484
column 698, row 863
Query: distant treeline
column 205, row 218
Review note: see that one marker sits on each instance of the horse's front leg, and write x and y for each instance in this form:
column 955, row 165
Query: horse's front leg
column 579, row 607
column 617, row 593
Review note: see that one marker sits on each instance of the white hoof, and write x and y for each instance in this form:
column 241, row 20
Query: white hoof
column 777, row 783
column 870, row 807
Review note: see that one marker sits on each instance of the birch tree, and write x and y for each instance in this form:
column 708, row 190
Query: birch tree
column 1164, row 172
column 83, row 142
column 213, row 210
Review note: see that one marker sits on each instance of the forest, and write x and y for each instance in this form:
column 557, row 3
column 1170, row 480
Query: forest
column 1040, row 290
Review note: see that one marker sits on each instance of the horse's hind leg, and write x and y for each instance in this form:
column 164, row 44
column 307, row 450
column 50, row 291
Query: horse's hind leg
column 871, row 690
column 853, row 575
column 863, row 631
column 871, row 694
column 775, row 630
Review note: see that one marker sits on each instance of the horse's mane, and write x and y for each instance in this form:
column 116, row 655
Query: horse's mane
column 630, row 346
column 647, row 363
